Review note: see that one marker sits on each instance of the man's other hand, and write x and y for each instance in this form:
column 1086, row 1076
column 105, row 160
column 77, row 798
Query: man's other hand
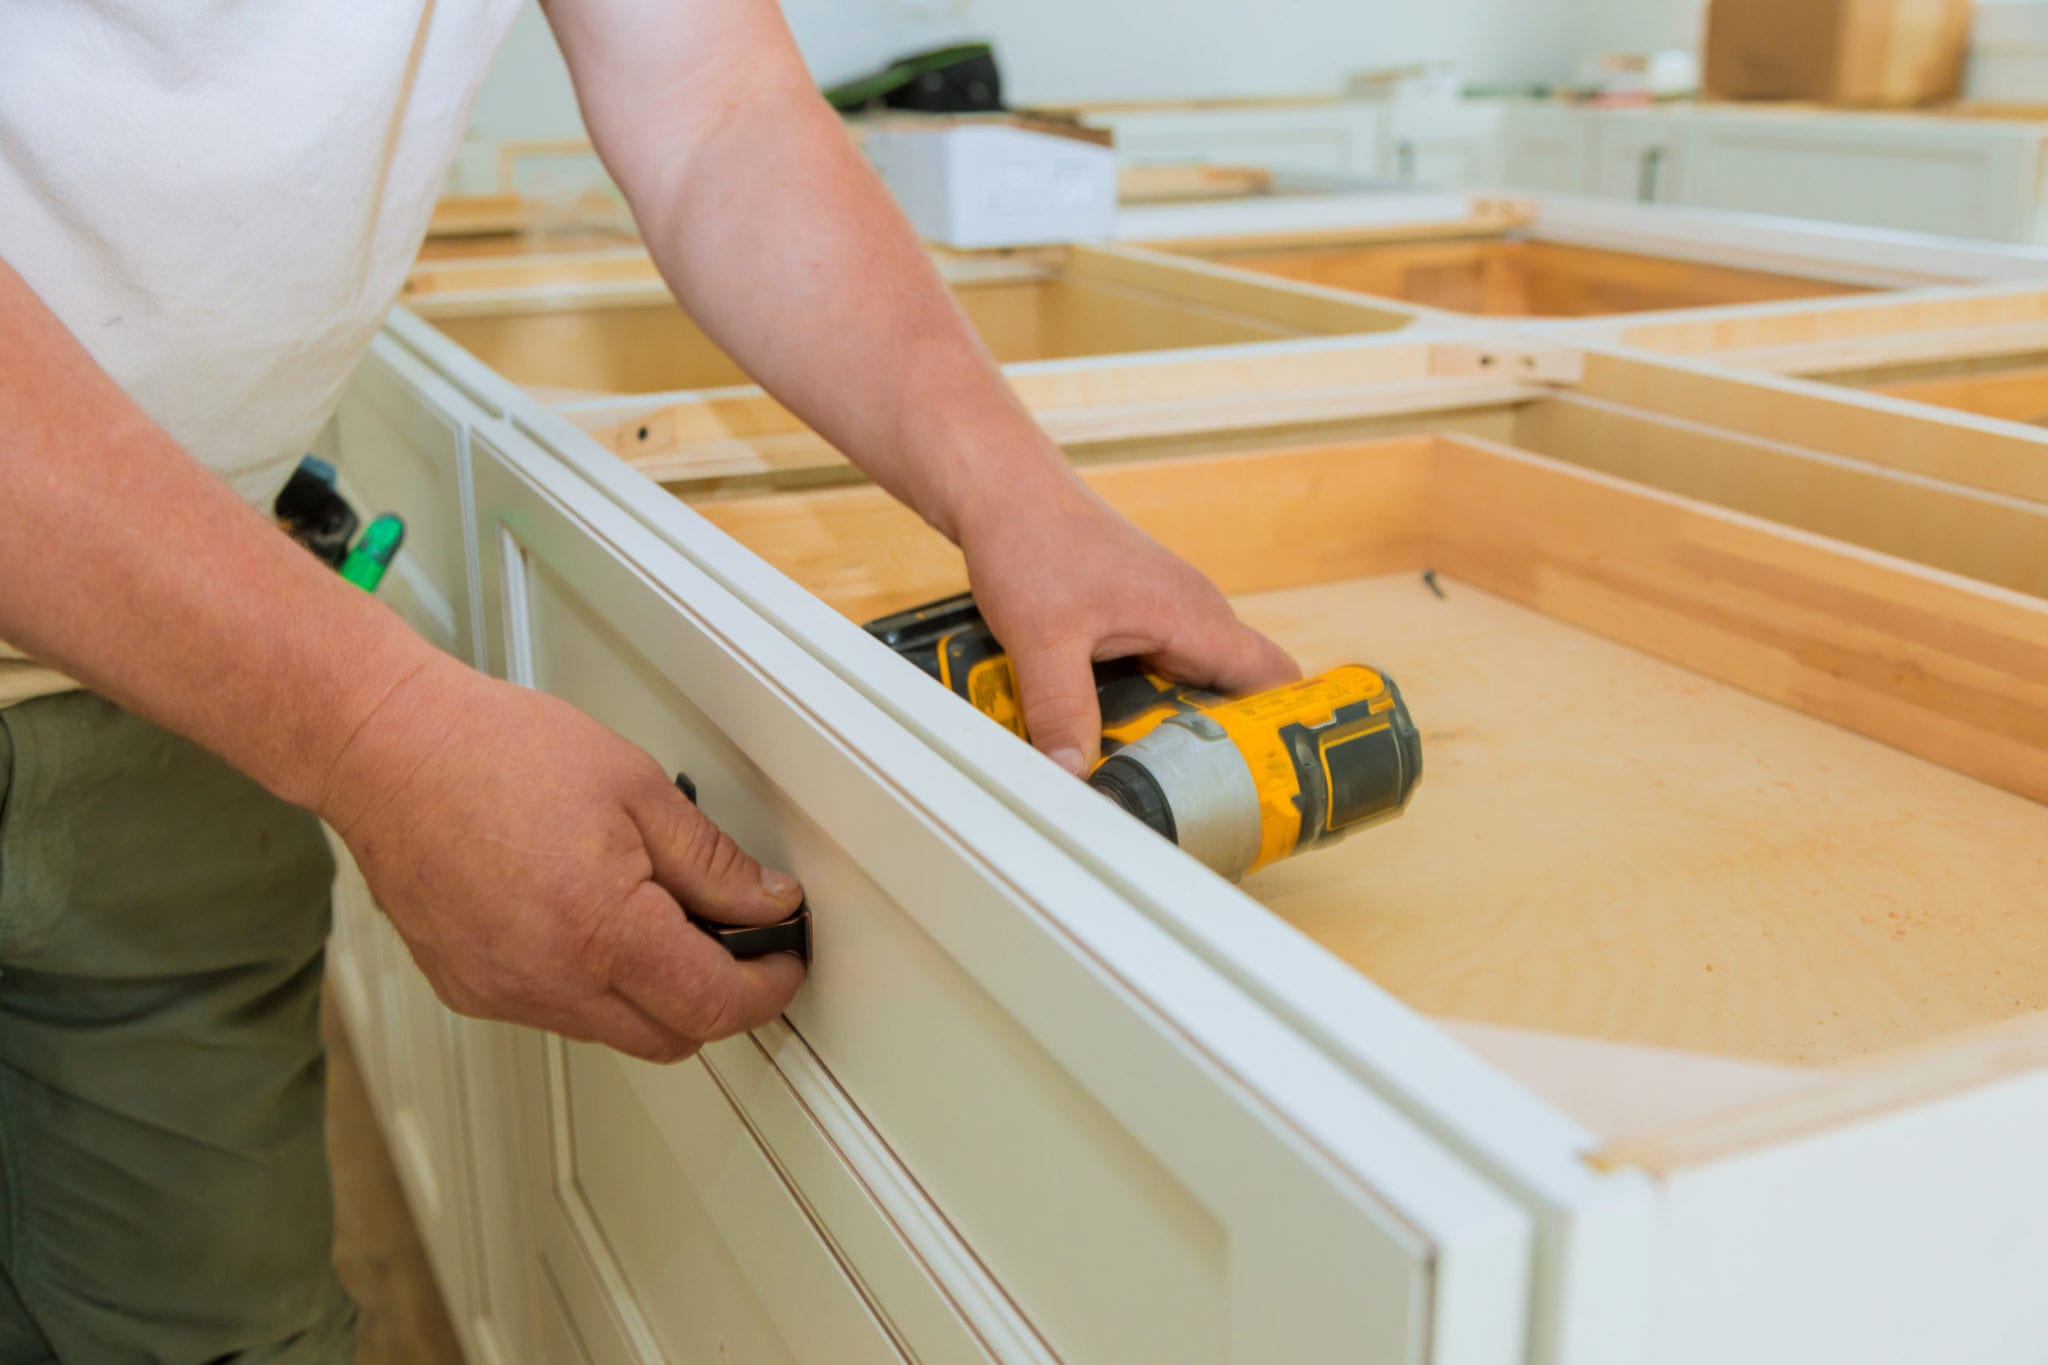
column 539, row 867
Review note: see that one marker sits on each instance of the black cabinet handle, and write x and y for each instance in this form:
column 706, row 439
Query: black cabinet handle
column 792, row 935
column 1647, row 174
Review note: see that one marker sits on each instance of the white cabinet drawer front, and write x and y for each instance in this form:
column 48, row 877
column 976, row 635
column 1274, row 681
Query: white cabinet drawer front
column 1132, row 1195
column 1941, row 184
column 718, row 1258
column 401, row 444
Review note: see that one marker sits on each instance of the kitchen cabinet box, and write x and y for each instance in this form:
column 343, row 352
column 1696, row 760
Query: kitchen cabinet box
column 1691, row 1014
column 1983, row 352
column 605, row 324
column 1306, row 135
column 1558, row 257
column 1962, row 171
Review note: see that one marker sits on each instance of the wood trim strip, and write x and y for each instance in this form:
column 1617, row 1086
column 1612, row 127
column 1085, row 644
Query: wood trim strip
column 1958, row 448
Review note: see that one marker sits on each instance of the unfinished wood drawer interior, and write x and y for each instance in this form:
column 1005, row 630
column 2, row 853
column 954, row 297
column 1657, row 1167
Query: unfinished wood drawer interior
column 1968, row 502
column 1515, row 276
column 1984, row 353
column 1648, row 818
column 570, row 338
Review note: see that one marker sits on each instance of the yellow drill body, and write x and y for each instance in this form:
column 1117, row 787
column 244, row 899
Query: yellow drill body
column 1239, row 782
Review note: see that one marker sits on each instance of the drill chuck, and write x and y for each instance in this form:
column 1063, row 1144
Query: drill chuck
column 1242, row 784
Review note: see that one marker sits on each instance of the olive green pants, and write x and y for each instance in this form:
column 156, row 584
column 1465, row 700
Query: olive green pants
column 163, row 1178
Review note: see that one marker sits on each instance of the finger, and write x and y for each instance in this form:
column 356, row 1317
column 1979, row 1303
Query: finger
column 686, row 982
column 1227, row 656
column 703, row 868
column 1056, row 687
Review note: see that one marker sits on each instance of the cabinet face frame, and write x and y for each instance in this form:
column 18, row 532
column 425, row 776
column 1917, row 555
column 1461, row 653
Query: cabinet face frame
column 1381, row 1187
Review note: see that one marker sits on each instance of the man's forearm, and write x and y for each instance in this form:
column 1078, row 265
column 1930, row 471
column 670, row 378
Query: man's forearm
column 127, row 565
column 781, row 242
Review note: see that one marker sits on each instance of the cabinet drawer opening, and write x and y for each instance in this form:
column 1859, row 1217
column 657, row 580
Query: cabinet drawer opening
column 566, row 339
column 1981, row 353
column 1716, row 812
column 1514, row 275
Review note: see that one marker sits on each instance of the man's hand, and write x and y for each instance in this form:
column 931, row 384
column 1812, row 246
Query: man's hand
column 538, row 866
column 1065, row 582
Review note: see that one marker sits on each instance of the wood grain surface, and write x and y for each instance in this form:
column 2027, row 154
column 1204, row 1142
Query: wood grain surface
column 1509, row 278
column 1610, row 846
column 1675, row 836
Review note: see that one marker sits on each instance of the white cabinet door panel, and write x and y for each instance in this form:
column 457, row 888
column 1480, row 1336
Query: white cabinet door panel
column 1131, row 1190
column 1546, row 149
column 1639, row 157
column 719, row 1259
column 1449, row 145
column 1964, row 182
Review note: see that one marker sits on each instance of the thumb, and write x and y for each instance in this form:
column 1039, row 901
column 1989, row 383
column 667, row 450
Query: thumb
column 1056, row 687
column 705, row 870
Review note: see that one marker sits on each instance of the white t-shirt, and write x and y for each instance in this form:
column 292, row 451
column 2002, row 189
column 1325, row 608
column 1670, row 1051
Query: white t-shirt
column 220, row 198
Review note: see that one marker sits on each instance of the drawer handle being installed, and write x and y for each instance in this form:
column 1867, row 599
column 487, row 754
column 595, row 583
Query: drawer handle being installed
column 792, row 935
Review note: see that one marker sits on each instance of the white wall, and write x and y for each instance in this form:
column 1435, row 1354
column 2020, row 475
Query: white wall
column 1053, row 50
column 1636, row 25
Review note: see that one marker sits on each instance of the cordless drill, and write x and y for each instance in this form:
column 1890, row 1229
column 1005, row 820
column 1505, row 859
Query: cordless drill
column 1240, row 783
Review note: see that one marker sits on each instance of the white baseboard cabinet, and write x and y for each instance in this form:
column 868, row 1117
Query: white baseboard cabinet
column 1693, row 1014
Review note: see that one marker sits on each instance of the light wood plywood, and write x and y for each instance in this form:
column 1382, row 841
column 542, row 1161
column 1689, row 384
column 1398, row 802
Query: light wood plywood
column 597, row 324
column 1611, row 846
column 1676, row 833
column 2015, row 395
column 1523, row 278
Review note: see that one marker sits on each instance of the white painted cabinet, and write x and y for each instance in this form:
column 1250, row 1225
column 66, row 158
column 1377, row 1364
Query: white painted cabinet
column 1054, row 1091
column 1953, row 177
column 1546, row 148
column 1948, row 177
column 1443, row 144
column 1075, row 1138
column 1636, row 156
column 440, row 1084
column 1334, row 138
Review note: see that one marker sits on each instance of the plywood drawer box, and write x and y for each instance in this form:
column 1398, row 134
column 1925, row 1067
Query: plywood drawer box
column 1916, row 485
column 1981, row 351
column 1555, row 256
column 566, row 338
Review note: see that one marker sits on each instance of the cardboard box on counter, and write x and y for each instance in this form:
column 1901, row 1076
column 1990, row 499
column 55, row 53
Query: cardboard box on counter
column 1869, row 53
